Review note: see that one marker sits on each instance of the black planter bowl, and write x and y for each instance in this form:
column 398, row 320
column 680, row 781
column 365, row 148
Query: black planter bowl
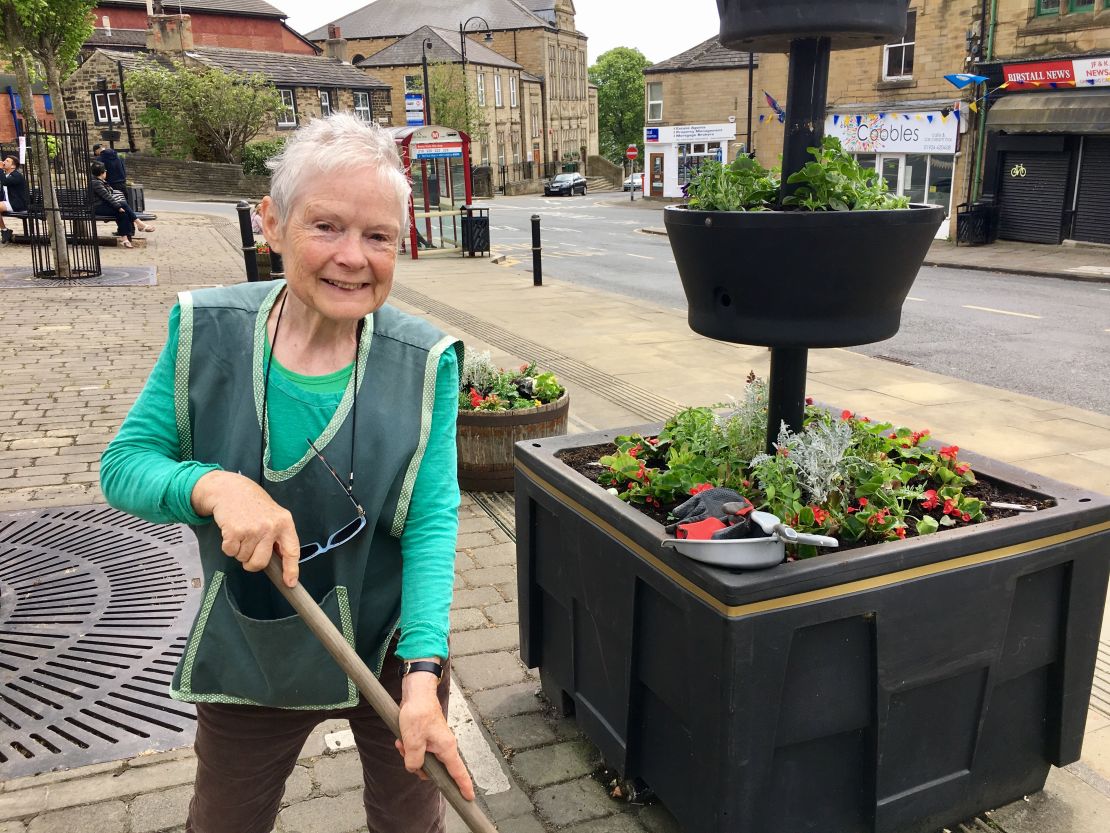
column 895, row 688
column 799, row 278
column 770, row 25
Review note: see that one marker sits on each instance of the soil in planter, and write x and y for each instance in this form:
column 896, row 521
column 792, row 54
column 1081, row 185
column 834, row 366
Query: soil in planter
column 584, row 461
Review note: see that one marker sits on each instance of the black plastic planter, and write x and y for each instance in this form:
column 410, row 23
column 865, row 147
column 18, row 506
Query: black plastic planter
column 770, row 25
column 799, row 278
column 897, row 688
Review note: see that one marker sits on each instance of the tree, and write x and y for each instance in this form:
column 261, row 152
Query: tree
column 619, row 76
column 204, row 112
column 453, row 104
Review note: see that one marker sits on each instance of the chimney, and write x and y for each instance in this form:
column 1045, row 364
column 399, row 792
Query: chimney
column 336, row 45
column 169, row 33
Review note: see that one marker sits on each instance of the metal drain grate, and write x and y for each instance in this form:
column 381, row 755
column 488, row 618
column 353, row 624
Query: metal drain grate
column 1100, row 691
column 23, row 278
column 501, row 508
column 95, row 608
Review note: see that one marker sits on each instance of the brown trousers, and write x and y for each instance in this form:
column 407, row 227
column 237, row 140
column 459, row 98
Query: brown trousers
column 245, row 754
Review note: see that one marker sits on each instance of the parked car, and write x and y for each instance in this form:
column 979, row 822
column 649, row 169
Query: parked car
column 634, row 182
column 568, row 184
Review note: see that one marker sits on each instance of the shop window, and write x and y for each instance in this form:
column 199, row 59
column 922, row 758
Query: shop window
column 655, row 101
column 325, row 103
column 287, row 115
column 481, row 89
column 362, row 106
column 1048, row 7
column 497, row 102
column 106, row 107
column 898, row 57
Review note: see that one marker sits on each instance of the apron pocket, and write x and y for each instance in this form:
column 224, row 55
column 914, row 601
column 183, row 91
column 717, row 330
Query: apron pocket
column 232, row 658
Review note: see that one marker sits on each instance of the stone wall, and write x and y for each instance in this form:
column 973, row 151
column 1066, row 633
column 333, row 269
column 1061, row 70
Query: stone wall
column 1022, row 33
column 221, row 180
column 600, row 166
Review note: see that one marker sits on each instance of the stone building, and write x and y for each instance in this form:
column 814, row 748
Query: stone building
column 695, row 108
column 559, row 109
column 310, row 85
column 1046, row 154
column 236, row 24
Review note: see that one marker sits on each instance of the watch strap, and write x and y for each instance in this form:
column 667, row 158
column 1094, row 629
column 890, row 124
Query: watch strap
column 421, row 665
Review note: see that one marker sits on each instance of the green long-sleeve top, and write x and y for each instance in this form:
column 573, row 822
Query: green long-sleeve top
column 142, row 473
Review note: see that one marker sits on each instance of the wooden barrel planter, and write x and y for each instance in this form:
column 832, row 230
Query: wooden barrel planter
column 485, row 441
column 264, row 266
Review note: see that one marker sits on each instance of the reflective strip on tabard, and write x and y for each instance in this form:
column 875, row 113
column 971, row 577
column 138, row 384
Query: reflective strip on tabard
column 181, row 375
column 427, row 405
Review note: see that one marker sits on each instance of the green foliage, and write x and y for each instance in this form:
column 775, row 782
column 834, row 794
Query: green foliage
column 255, row 155
column 453, row 103
column 834, row 181
column 485, row 387
column 619, row 76
column 204, row 112
column 847, row 476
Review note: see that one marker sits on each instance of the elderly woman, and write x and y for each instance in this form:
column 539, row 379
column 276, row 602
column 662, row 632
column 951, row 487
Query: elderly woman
column 307, row 419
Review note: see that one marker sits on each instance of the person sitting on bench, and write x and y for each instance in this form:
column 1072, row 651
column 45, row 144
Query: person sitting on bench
column 15, row 194
column 111, row 203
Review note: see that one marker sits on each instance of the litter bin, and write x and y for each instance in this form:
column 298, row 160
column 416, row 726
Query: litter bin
column 475, row 230
column 976, row 223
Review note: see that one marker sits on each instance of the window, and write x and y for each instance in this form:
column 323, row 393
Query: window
column 1081, row 5
column 551, row 88
column 898, row 57
column 512, row 91
column 655, row 101
column 287, row 115
column 481, row 89
column 106, row 107
column 362, row 106
column 1048, row 6
column 535, row 120
column 325, row 103
column 497, row 102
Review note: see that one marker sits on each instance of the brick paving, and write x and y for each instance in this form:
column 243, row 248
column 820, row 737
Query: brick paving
column 74, row 360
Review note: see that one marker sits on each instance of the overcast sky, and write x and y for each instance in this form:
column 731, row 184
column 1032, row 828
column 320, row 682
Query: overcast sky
column 656, row 27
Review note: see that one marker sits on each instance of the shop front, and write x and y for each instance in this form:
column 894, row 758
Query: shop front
column 1047, row 165
column 914, row 151
column 673, row 154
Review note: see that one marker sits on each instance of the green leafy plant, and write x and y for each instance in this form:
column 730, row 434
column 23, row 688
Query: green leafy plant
column 833, row 181
column 485, row 387
column 845, row 476
column 255, row 155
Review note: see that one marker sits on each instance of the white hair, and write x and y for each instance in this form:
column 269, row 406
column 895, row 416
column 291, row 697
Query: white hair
column 337, row 143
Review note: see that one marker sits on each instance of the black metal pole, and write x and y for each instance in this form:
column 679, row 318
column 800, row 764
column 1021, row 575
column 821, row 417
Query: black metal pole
column 537, row 252
column 427, row 88
column 246, row 233
column 751, row 92
column 466, row 89
column 806, row 90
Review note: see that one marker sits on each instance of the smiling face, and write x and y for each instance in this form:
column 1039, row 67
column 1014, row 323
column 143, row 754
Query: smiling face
column 339, row 242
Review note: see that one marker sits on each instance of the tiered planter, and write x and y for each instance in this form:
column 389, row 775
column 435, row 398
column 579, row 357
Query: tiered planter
column 901, row 687
column 485, row 439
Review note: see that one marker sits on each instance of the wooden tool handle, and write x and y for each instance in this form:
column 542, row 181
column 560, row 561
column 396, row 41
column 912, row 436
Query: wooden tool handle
column 375, row 694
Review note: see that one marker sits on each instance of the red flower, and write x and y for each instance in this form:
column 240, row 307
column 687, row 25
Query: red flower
column 636, row 449
column 865, row 419
column 900, row 531
column 893, row 436
column 809, row 400
column 963, row 468
column 701, row 487
column 950, row 507
column 819, row 515
column 845, row 414
column 863, row 502
column 782, row 451
column 475, row 398
column 746, row 483
column 949, row 452
column 653, row 440
column 851, row 510
column 523, row 367
column 965, row 517
column 929, row 499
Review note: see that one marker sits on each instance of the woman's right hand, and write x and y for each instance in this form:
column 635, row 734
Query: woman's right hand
column 253, row 525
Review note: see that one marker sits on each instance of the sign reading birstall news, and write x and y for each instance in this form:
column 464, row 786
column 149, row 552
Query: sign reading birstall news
column 1051, row 75
column 927, row 132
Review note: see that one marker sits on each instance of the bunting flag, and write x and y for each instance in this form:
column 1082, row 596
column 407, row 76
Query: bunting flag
column 836, row 118
column 956, row 111
column 774, row 105
column 963, row 79
column 782, row 118
column 974, row 106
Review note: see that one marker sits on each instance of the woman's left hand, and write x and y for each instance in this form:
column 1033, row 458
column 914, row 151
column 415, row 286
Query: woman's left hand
column 424, row 729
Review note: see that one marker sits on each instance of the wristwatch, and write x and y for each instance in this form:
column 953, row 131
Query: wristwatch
column 421, row 665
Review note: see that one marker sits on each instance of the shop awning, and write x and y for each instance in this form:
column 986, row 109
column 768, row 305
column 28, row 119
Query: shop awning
column 1081, row 111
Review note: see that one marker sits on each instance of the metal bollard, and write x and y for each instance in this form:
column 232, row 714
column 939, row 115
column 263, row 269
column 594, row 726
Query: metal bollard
column 537, row 252
column 250, row 254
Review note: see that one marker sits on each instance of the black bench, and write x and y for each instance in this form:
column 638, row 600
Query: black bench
column 75, row 205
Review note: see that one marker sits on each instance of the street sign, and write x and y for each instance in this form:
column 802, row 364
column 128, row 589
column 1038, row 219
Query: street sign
column 632, row 152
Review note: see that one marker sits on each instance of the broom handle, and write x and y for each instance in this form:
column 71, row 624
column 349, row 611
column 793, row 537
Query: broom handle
column 375, row 694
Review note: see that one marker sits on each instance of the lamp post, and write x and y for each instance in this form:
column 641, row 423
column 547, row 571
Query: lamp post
column 424, row 47
column 462, row 48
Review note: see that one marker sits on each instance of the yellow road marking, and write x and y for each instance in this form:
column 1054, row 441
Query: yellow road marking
column 1001, row 311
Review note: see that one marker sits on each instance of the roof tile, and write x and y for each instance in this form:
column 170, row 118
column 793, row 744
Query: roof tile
column 709, row 54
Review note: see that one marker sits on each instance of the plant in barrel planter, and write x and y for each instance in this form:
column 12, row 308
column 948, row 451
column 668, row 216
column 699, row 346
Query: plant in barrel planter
column 898, row 686
column 264, row 263
column 497, row 408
